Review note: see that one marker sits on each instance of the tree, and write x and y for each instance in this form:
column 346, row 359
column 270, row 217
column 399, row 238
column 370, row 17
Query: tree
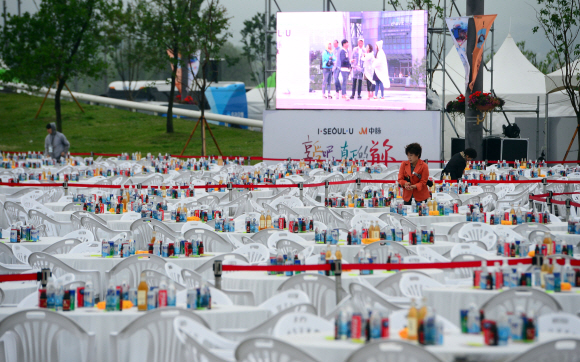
column 168, row 26
column 55, row 44
column 209, row 37
column 128, row 46
column 560, row 22
column 254, row 46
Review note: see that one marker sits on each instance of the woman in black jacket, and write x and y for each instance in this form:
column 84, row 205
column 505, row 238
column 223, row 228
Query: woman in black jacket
column 456, row 165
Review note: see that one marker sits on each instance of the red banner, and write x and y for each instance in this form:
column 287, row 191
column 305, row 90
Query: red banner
column 482, row 25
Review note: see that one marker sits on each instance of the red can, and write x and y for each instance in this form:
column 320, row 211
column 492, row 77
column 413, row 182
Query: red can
column 171, row 249
column 385, row 328
column 506, row 216
column 80, row 297
column 187, row 248
column 42, row 298
column 489, row 332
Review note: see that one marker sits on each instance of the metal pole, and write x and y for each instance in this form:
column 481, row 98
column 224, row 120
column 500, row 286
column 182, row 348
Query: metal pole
column 65, row 186
column 19, row 3
column 442, row 157
column 546, row 126
column 230, row 197
column 301, row 188
column 337, row 278
column 217, row 272
column 567, row 209
column 326, row 190
column 473, row 130
column 491, row 76
column 537, row 129
column 267, row 52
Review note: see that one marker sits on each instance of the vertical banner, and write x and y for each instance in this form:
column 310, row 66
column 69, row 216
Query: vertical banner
column 458, row 29
column 482, row 25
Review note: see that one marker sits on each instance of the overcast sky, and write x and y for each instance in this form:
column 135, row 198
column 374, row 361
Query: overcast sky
column 517, row 15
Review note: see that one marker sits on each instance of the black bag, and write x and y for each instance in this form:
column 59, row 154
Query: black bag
column 330, row 63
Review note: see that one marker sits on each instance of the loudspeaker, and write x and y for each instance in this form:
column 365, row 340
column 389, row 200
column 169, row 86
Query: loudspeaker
column 509, row 149
column 457, row 145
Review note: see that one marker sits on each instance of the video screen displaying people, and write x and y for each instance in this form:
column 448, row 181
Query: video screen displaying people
column 351, row 60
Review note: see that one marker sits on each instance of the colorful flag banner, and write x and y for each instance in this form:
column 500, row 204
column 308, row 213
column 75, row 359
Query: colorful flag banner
column 482, row 25
column 458, row 29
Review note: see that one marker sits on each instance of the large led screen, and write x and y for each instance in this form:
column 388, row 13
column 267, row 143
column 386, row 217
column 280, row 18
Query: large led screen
column 351, row 60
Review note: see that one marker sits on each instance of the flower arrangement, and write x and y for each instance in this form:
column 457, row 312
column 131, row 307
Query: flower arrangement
column 186, row 100
column 484, row 102
column 456, row 106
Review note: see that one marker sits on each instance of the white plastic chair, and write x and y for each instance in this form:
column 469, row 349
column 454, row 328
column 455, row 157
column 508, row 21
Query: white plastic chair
column 398, row 321
column 36, row 335
column 195, row 225
column 412, row 285
column 480, row 232
column 83, row 235
column 155, row 328
column 255, row 253
column 415, row 259
column 173, row 271
column 131, row 216
column 201, row 334
column 561, row 322
column 21, row 253
column 468, row 248
column 91, row 247
column 442, row 197
column 302, row 323
column 431, row 254
column 284, row 300
column 320, row 289
column 508, row 234
column 271, row 350
column 29, row 302
column 283, row 235
column 363, row 218
column 290, row 201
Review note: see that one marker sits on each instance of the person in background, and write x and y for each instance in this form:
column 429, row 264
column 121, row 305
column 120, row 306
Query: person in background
column 55, row 144
column 344, row 60
column 336, row 68
column 368, row 59
column 328, row 61
column 357, row 68
column 456, row 165
column 381, row 70
column 413, row 175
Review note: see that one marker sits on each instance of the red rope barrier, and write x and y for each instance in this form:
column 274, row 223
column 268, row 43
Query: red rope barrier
column 386, row 266
column 18, row 277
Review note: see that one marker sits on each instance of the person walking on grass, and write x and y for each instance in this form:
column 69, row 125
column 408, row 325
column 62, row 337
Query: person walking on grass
column 55, row 144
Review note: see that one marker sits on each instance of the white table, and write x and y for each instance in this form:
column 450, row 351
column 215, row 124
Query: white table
column 103, row 323
column 14, row 292
column 64, row 216
column 88, row 262
column 264, row 286
column 449, row 301
column 444, row 227
column 56, row 206
column 321, row 347
column 570, row 239
column 350, row 252
column 43, row 243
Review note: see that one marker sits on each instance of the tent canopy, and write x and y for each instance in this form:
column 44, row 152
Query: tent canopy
column 555, row 80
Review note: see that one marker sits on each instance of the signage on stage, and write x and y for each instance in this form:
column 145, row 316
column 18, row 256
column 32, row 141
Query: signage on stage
column 372, row 135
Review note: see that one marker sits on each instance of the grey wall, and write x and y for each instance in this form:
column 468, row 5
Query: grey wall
column 560, row 131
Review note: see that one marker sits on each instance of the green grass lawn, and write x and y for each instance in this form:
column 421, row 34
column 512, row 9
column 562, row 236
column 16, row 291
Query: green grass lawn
column 106, row 130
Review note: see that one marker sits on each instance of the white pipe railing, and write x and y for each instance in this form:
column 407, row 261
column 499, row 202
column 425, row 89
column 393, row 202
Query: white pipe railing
column 144, row 106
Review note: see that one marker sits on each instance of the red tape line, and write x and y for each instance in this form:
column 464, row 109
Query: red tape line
column 18, row 277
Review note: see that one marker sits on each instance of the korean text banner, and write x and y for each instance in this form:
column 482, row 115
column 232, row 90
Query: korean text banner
column 482, row 25
column 371, row 135
column 458, row 29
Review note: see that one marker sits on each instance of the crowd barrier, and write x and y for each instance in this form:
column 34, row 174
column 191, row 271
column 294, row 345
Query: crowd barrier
column 298, row 185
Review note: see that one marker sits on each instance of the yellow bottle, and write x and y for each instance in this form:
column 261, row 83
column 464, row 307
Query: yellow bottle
column 548, row 242
column 142, row 293
column 262, row 222
column 423, row 310
column 430, row 205
column 434, row 205
column 328, row 252
column 412, row 322
column 153, row 237
column 268, row 221
column 338, row 253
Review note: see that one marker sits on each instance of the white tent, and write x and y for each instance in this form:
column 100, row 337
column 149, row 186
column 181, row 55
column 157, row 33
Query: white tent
column 555, row 80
